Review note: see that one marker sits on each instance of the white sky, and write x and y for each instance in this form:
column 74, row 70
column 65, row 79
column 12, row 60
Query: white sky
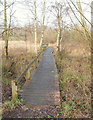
column 22, row 15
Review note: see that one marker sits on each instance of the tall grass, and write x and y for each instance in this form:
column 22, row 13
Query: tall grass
column 20, row 55
column 74, row 66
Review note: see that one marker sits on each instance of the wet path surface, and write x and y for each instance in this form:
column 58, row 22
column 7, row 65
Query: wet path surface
column 43, row 89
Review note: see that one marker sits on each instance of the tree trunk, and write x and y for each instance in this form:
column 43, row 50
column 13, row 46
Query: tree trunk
column 82, row 19
column 43, row 20
column 58, row 36
column 5, row 30
column 59, row 30
column 42, row 37
column 35, row 25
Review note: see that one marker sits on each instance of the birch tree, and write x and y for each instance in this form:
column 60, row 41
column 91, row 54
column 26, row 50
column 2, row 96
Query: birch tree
column 35, row 25
column 59, row 18
column 82, row 19
column 32, row 6
column 43, row 21
column 7, row 25
column 59, row 9
column 5, row 30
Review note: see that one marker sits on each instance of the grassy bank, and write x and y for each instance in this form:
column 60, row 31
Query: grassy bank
column 75, row 80
column 20, row 55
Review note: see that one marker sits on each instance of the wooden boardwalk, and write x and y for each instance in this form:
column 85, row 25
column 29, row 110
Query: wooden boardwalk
column 43, row 89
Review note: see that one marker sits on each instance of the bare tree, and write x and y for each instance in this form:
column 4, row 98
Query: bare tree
column 35, row 24
column 43, row 21
column 59, row 9
column 32, row 6
column 5, row 30
column 10, row 21
column 82, row 19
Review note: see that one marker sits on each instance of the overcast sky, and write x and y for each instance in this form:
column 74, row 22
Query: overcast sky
column 23, row 16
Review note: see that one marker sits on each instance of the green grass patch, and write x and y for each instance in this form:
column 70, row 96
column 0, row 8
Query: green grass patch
column 12, row 104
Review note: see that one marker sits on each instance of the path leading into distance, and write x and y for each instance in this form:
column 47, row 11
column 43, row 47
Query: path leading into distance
column 43, row 89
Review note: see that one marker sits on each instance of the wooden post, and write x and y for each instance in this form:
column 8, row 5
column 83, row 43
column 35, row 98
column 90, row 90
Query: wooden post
column 14, row 90
column 30, row 70
column 28, row 74
column 35, row 63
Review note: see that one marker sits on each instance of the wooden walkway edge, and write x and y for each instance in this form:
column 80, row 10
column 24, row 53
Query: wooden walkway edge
column 43, row 89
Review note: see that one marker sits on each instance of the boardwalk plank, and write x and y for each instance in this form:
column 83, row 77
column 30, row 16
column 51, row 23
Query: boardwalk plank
column 43, row 89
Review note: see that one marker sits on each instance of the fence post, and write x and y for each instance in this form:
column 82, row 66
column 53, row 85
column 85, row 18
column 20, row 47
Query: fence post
column 28, row 74
column 36, row 63
column 30, row 70
column 14, row 90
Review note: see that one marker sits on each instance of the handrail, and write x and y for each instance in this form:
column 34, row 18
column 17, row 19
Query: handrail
column 24, row 72
column 14, row 83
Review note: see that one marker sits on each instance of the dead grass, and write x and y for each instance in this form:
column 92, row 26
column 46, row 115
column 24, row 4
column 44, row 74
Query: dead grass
column 27, row 46
column 20, row 55
column 75, row 80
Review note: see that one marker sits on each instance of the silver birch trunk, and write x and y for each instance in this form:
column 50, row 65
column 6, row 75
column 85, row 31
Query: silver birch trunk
column 5, row 30
column 43, row 21
column 59, row 30
column 82, row 20
column 35, row 25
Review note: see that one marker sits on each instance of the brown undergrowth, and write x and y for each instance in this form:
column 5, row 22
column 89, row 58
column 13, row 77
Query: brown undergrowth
column 75, row 80
column 18, row 60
